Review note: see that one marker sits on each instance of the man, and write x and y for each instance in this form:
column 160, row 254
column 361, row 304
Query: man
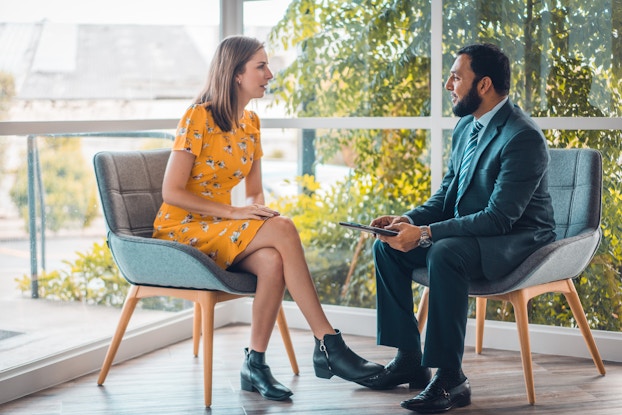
column 492, row 210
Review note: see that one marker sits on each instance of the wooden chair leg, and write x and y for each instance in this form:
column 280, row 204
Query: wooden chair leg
column 287, row 340
column 480, row 317
column 207, row 301
column 126, row 313
column 422, row 310
column 579, row 315
column 519, row 301
column 196, row 329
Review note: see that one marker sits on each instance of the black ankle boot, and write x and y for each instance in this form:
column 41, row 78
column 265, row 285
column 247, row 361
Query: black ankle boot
column 256, row 376
column 333, row 357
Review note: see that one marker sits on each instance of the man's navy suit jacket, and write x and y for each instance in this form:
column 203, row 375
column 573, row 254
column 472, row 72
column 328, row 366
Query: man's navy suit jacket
column 506, row 205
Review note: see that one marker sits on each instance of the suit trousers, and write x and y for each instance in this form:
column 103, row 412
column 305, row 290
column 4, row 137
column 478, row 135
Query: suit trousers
column 451, row 263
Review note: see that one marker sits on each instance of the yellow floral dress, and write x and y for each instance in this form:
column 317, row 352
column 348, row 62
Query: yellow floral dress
column 223, row 159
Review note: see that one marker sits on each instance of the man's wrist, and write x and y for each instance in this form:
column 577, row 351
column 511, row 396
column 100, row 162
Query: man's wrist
column 425, row 239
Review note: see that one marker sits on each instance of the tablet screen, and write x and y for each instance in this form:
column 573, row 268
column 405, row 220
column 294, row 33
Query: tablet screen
column 366, row 228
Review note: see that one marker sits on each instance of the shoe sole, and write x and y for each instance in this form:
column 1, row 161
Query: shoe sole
column 461, row 401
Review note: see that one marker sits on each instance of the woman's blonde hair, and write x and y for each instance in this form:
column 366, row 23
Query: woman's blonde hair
column 220, row 90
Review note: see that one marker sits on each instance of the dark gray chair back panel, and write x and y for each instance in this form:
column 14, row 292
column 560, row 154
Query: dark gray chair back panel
column 575, row 185
column 130, row 185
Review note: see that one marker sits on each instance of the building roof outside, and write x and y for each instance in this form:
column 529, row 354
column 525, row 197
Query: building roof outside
column 55, row 61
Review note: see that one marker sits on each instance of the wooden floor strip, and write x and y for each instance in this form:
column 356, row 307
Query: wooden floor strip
column 170, row 381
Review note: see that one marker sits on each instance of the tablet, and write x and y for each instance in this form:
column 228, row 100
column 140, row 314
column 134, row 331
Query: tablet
column 366, row 228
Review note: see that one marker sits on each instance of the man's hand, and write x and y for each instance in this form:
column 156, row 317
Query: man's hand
column 387, row 220
column 408, row 237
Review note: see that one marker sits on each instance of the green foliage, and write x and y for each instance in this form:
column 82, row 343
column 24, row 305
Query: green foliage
column 70, row 196
column 536, row 35
column 330, row 249
column 569, row 86
column 371, row 58
column 363, row 58
column 94, row 279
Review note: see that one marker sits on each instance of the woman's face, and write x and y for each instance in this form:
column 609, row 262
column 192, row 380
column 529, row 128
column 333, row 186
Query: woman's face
column 254, row 81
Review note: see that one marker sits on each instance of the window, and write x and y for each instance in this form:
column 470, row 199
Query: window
column 69, row 60
column 351, row 82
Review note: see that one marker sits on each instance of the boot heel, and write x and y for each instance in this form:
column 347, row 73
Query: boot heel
column 323, row 373
column 246, row 385
column 255, row 376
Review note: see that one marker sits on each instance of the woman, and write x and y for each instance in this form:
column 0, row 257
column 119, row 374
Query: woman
column 216, row 146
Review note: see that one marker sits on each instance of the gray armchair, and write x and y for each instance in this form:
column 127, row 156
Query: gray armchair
column 575, row 183
column 130, row 187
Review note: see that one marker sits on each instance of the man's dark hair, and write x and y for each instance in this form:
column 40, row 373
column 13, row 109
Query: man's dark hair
column 488, row 60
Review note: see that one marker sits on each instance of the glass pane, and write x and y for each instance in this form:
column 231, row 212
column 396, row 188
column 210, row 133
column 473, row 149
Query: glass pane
column 600, row 286
column 70, row 59
column 76, row 283
column 356, row 175
column 566, row 55
column 341, row 59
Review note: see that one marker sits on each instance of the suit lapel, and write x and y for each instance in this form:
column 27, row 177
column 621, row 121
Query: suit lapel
column 459, row 151
column 492, row 131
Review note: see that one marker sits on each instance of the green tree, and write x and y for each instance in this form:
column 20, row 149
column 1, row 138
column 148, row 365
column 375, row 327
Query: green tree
column 366, row 58
column 371, row 58
column 70, row 196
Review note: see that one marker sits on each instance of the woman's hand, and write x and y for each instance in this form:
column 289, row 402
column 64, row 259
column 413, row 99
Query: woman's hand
column 254, row 211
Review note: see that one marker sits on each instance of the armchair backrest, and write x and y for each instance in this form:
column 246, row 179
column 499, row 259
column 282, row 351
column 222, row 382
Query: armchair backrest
column 575, row 185
column 130, row 188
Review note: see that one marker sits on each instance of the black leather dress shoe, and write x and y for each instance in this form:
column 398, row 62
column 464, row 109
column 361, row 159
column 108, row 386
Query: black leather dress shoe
column 395, row 374
column 435, row 399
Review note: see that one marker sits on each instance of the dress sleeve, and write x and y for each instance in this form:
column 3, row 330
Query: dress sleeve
column 257, row 124
column 191, row 130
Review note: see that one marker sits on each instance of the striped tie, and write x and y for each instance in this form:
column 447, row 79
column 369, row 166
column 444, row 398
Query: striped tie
column 466, row 161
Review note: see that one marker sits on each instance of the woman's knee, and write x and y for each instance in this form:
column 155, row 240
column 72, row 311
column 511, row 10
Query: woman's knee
column 265, row 261
column 271, row 261
column 282, row 227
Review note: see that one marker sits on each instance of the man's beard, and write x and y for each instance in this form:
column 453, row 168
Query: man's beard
column 469, row 104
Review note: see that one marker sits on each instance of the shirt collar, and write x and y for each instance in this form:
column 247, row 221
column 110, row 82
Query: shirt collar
column 485, row 119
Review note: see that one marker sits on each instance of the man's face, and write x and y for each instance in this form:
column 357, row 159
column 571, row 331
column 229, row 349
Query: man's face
column 462, row 84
